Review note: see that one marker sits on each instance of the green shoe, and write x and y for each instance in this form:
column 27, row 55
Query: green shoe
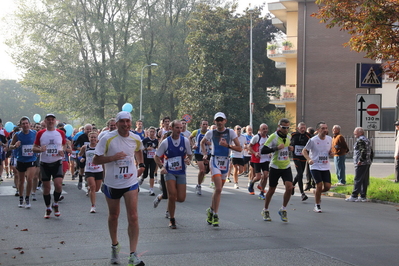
column 266, row 216
column 283, row 215
column 215, row 221
column 209, row 218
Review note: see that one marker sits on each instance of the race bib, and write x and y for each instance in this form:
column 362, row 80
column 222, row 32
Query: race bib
column 221, row 162
column 298, row 150
column 322, row 158
column 52, row 150
column 175, row 163
column 123, row 169
column 150, row 154
column 27, row 150
column 283, row 154
column 90, row 167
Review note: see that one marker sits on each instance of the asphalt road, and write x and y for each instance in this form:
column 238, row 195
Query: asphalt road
column 346, row 233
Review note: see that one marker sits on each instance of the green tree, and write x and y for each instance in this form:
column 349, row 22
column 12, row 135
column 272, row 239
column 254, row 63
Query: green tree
column 218, row 79
column 372, row 24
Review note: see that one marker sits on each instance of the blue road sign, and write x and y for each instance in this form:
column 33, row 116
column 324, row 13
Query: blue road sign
column 368, row 76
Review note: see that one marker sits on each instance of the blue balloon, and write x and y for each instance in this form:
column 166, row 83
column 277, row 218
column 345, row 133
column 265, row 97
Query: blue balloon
column 37, row 118
column 9, row 126
column 69, row 129
column 127, row 107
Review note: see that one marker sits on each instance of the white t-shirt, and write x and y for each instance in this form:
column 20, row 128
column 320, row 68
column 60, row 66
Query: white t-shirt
column 53, row 140
column 186, row 134
column 121, row 173
column 239, row 154
column 319, row 151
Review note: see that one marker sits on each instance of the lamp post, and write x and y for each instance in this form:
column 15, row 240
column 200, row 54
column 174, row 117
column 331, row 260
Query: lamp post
column 250, row 11
column 141, row 90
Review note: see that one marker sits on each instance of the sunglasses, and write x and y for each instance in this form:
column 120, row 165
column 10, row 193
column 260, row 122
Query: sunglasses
column 238, row 128
column 219, row 119
column 283, row 127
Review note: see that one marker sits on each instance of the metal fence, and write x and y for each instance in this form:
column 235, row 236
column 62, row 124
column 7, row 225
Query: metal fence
column 384, row 147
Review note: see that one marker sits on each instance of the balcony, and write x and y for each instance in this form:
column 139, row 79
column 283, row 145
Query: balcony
column 285, row 94
column 283, row 49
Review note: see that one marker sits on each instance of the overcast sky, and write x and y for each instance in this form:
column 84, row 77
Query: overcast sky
column 8, row 69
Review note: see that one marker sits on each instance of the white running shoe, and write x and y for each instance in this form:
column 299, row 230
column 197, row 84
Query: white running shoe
column 236, row 186
column 93, row 209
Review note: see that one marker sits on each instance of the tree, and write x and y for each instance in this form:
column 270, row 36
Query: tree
column 218, row 79
column 372, row 24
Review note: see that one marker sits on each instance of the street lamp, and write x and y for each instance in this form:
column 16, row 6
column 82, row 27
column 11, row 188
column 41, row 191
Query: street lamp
column 250, row 11
column 141, row 90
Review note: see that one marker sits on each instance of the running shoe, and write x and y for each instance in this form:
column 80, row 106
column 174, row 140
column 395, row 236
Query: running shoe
column 27, row 204
column 34, row 197
column 141, row 180
column 47, row 213
column 228, row 180
column 283, row 215
column 134, row 260
column 16, row 194
column 198, row 190
column 21, row 204
column 261, row 196
column 209, row 214
column 157, row 200
column 212, row 185
column 236, row 186
column 57, row 212
column 80, row 185
column 266, row 216
column 251, row 188
column 167, row 215
column 304, row 197
column 1, row 179
column 152, row 193
column 115, row 254
column 215, row 220
column 93, row 209
column 317, row 209
column 172, row 223
column 361, row 199
column 351, row 199
column 61, row 198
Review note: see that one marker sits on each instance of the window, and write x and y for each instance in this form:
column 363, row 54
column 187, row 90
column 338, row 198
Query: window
column 387, row 119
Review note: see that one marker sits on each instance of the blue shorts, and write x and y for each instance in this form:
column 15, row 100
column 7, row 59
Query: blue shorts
column 117, row 193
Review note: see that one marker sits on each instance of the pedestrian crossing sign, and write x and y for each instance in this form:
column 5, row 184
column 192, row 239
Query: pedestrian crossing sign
column 368, row 76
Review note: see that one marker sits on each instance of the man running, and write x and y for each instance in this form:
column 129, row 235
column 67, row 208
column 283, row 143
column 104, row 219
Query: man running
column 118, row 151
column 279, row 144
column 196, row 138
column 317, row 152
column 51, row 143
column 82, row 140
column 221, row 137
column 177, row 151
column 23, row 141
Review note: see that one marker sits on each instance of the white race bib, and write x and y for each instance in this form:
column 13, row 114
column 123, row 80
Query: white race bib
column 283, row 154
column 150, row 154
column 322, row 158
column 298, row 150
column 123, row 169
column 27, row 150
column 175, row 163
column 51, row 150
column 221, row 162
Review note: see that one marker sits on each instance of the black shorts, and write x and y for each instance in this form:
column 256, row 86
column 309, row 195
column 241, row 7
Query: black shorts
column 97, row 176
column 116, row 193
column 247, row 159
column 23, row 166
column 261, row 167
column 199, row 157
column 275, row 174
column 239, row 161
column 321, row 176
column 48, row 170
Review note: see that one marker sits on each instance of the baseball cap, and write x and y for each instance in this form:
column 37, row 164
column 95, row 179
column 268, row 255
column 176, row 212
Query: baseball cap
column 219, row 114
column 123, row 115
column 397, row 123
column 61, row 124
column 48, row 115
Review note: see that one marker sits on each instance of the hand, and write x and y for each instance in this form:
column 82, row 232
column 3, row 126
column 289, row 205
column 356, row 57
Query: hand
column 223, row 142
column 281, row 146
column 257, row 155
column 17, row 144
column 43, row 148
column 119, row 156
column 164, row 171
column 140, row 171
column 310, row 162
column 61, row 153
column 187, row 161
column 82, row 160
column 291, row 148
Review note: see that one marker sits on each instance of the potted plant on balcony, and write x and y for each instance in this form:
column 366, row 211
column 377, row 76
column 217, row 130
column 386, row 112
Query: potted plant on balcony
column 272, row 48
column 287, row 45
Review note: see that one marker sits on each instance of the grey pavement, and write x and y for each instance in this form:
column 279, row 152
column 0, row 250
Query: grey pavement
column 346, row 233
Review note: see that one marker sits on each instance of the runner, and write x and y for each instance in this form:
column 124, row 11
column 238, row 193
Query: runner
column 50, row 142
column 150, row 147
column 82, row 140
column 238, row 156
column 279, row 144
column 177, row 151
column 139, row 129
column 22, row 142
column 219, row 161
column 118, row 151
column 94, row 173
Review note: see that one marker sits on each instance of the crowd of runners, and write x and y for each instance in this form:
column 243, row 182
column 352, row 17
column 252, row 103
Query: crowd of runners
column 118, row 158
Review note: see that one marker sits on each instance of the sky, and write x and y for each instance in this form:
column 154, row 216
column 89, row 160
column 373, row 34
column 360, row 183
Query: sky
column 9, row 71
